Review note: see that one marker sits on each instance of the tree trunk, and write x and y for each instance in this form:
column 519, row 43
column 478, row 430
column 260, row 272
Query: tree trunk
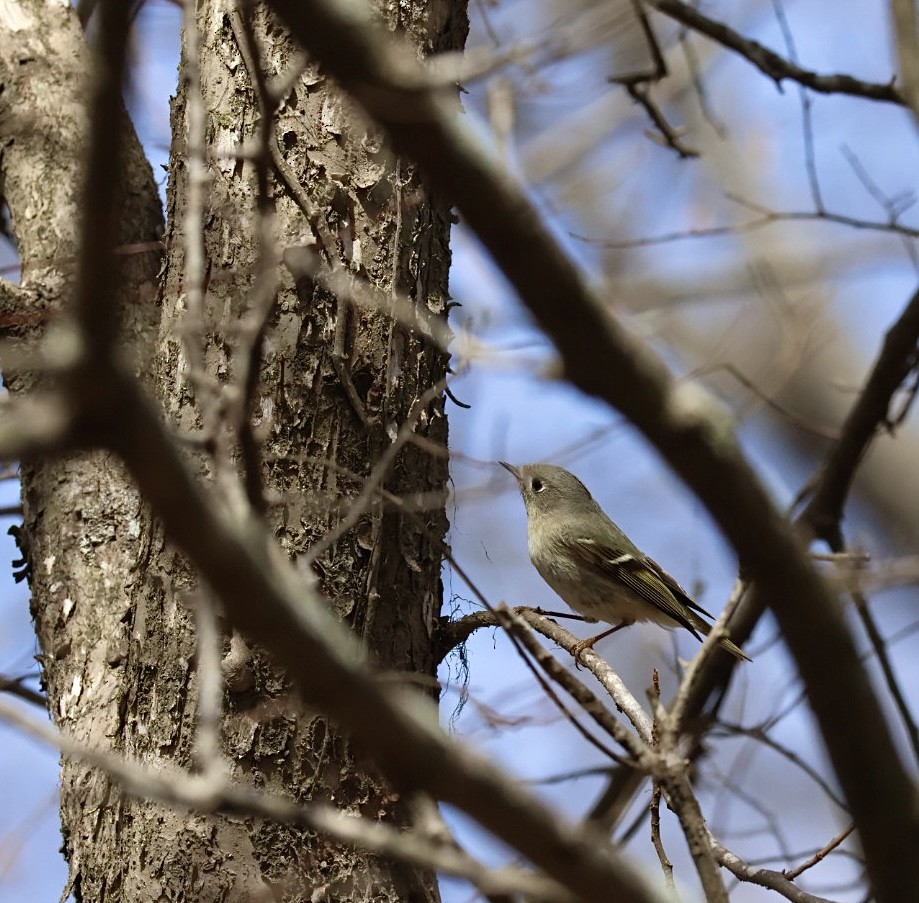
column 113, row 602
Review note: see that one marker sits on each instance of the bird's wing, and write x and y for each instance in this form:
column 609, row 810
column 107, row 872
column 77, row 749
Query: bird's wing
column 675, row 587
column 644, row 577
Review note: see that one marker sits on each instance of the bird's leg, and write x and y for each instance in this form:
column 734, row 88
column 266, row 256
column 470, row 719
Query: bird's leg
column 589, row 643
column 553, row 614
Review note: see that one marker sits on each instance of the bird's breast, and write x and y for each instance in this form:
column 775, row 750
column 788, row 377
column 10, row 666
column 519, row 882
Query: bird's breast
column 592, row 593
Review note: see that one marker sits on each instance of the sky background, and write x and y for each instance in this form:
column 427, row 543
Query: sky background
column 801, row 303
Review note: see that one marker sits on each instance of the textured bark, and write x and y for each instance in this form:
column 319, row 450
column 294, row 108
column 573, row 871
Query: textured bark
column 81, row 520
column 112, row 601
column 384, row 576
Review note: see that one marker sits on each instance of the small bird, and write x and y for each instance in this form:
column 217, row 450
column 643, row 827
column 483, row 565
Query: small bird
column 594, row 566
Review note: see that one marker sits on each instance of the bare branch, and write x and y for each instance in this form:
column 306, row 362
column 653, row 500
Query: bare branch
column 638, row 749
column 763, row 877
column 759, row 734
column 456, row 632
column 766, row 218
column 820, row 855
column 799, row 422
column 666, row 133
column 663, row 858
column 683, row 801
column 879, row 646
column 674, row 720
column 212, row 793
column 372, row 483
column 14, row 686
column 771, row 63
column 897, row 357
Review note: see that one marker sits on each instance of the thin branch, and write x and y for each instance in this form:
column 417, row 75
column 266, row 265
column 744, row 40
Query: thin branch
column 759, row 734
column 371, row 486
column 640, row 92
column 637, row 748
column 894, row 207
column 766, row 218
column 879, row 646
column 694, row 69
column 670, row 768
column 897, row 358
column 533, row 655
column 881, row 576
column 773, row 823
column 515, row 624
column 656, row 840
column 776, row 881
column 452, row 633
column 213, row 793
column 655, row 806
column 769, row 62
column 685, row 804
column 795, row 420
column 15, row 687
column 807, row 119
column 674, row 720
column 819, row 856
column 263, row 296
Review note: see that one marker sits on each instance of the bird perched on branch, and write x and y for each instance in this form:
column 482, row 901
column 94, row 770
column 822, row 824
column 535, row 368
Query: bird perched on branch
column 594, row 566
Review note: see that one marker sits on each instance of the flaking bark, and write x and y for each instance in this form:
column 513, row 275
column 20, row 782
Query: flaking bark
column 113, row 603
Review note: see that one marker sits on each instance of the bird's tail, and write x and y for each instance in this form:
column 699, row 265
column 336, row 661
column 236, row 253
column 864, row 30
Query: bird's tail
column 726, row 644
column 734, row 649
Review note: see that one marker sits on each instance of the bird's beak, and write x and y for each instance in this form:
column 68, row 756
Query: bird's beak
column 513, row 470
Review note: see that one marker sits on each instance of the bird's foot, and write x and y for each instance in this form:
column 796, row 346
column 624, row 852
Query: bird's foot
column 578, row 649
column 545, row 613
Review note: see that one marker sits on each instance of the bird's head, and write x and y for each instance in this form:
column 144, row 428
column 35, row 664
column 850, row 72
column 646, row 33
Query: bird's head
column 547, row 489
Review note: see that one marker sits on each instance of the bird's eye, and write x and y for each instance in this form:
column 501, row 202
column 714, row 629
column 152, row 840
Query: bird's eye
column 537, row 485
